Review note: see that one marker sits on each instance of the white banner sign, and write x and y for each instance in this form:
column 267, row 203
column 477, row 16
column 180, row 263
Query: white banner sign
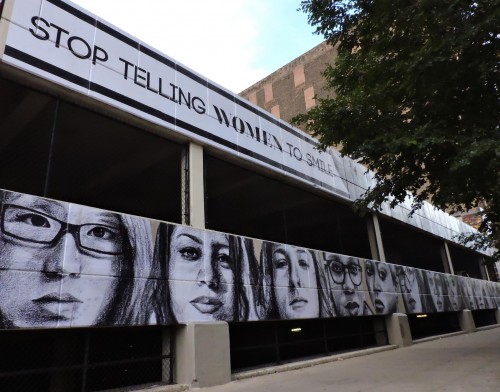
column 61, row 42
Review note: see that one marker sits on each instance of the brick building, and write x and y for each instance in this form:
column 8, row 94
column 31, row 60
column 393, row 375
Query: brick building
column 292, row 89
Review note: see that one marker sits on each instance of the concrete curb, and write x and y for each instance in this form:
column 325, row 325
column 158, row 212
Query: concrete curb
column 436, row 337
column 309, row 363
column 486, row 327
column 153, row 388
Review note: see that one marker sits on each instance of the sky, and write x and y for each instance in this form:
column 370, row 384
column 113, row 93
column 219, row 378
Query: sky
column 234, row 43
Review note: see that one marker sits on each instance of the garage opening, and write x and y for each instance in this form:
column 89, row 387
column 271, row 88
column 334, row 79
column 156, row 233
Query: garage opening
column 260, row 344
column 404, row 245
column 83, row 359
column 240, row 201
column 431, row 324
column 51, row 148
column 484, row 317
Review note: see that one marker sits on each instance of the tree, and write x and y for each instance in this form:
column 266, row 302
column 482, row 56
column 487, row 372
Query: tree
column 415, row 99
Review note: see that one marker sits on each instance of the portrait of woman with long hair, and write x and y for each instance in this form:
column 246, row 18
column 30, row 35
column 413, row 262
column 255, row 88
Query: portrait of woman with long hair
column 66, row 265
column 205, row 275
column 294, row 283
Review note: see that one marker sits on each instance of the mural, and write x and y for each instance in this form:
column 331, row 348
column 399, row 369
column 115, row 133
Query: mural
column 66, row 265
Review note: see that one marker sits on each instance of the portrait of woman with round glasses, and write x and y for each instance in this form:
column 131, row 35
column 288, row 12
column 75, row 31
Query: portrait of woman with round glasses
column 65, row 265
column 294, row 283
column 345, row 275
column 381, row 284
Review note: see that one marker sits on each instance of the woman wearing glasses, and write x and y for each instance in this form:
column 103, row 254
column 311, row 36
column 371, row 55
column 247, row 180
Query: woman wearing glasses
column 65, row 265
column 293, row 283
column 382, row 286
column 345, row 277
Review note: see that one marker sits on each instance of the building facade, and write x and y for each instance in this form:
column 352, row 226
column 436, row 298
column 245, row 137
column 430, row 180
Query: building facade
column 157, row 228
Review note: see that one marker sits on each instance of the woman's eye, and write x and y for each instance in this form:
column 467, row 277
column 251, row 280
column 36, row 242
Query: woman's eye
column 34, row 220
column 280, row 263
column 382, row 274
column 101, row 232
column 304, row 264
column 223, row 260
column 369, row 271
column 353, row 269
column 191, row 254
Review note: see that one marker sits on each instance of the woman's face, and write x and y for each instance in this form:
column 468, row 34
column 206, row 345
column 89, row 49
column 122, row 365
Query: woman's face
column 478, row 294
column 436, row 288
column 295, row 285
column 59, row 262
column 201, row 275
column 485, row 295
column 468, row 293
column 381, row 286
column 345, row 278
column 411, row 292
column 453, row 292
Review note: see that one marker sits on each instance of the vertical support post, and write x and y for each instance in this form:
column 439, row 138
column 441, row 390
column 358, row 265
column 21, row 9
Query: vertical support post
column 398, row 329
column 446, row 258
column 482, row 268
column 375, row 238
column 194, row 189
column 202, row 354
column 466, row 321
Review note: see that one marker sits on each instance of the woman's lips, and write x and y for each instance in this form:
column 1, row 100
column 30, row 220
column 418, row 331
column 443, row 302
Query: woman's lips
column 206, row 304
column 56, row 306
column 298, row 303
column 379, row 306
column 352, row 307
column 56, row 297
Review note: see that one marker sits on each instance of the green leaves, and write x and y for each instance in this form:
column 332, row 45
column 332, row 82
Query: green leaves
column 417, row 99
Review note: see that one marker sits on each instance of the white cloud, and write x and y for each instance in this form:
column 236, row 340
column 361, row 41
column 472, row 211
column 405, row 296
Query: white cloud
column 218, row 39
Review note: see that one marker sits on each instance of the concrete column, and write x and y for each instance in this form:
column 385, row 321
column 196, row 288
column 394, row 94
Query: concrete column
column 497, row 315
column 375, row 238
column 485, row 268
column 398, row 329
column 202, row 354
column 446, row 258
column 466, row 321
column 194, row 187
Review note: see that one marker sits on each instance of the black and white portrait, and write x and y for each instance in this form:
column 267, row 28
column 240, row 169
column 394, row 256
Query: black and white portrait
column 477, row 289
column 345, row 277
column 203, row 275
column 382, row 286
column 411, row 285
column 467, row 293
column 436, row 292
column 454, row 295
column 294, row 283
column 65, row 265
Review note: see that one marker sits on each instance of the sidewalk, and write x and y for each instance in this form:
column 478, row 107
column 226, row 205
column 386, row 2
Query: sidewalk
column 468, row 362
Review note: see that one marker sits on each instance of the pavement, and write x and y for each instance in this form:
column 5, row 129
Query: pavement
column 465, row 362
